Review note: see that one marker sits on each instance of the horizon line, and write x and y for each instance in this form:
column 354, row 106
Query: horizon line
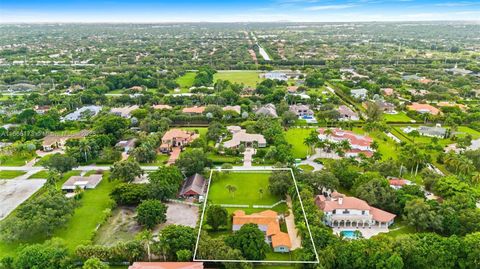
column 233, row 22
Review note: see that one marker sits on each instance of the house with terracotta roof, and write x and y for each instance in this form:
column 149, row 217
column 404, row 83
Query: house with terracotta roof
column 166, row 265
column 398, row 183
column 387, row 91
column 452, row 104
column 194, row 110
column 292, row 89
column 193, row 187
column 176, row 138
column 343, row 211
column 268, row 222
column 424, row 108
column 359, row 144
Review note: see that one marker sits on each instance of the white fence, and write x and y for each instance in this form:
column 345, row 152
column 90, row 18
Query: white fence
column 269, row 206
column 228, row 205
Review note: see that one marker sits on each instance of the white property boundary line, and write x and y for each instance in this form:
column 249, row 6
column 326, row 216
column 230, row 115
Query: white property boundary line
column 255, row 261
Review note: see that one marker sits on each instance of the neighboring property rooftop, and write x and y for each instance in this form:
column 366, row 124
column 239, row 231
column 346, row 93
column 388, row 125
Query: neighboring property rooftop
column 340, row 201
column 125, row 111
column 424, row 108
column 82, row 182
column 77, row 114
column 161, row 107
column 237, row 109
column 53, row 139
column 241, row 136
column 267, row 110
column 194, row 110
column 194, row 185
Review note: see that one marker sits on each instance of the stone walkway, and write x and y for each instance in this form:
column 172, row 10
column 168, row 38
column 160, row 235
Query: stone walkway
column 292, row 229
column 248, row 157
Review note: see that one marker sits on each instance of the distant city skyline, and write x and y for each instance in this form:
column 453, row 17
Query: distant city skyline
column 146, row 11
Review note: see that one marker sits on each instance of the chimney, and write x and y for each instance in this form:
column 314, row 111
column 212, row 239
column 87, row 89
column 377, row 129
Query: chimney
column 340, row 200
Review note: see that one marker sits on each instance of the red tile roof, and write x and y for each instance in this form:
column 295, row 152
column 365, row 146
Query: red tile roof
column 353, row 138
column 424, row 108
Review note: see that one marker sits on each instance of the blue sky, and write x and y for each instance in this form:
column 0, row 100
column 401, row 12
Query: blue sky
column 235, row 11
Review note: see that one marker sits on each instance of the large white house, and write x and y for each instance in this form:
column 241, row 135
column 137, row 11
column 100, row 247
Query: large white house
column 342, row 211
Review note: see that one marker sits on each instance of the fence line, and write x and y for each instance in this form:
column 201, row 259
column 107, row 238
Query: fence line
column 181, row 202
column 270, row 206
column 229, row 205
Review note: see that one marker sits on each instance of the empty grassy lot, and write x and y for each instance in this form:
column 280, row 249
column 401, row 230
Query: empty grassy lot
column 400, row 117
column 6, row 174
column 186, row 81
column 295, row 137
column 248, row 78
column 248, row 186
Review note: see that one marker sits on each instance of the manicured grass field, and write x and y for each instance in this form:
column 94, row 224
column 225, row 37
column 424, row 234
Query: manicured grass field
column 400, row 117
column 15, row 160
column 306, row 167
column 5, row 174
column 40, row 174
column 247, row 192
column 295, row 137
column 92, row 211
column 186, row 81
column 249, row 78
column 201, row 130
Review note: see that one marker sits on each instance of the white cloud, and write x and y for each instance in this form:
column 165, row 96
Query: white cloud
column 329, row 7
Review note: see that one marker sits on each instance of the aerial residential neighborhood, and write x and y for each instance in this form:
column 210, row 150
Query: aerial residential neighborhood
column 230, row 134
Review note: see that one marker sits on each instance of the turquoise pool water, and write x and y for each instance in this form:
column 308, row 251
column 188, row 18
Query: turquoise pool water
column 349, row 234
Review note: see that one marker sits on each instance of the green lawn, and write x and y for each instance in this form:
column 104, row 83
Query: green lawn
column 93, row 210
column 305, row 167
column 10, row 248
column 186, row 81
column 201, row 130
column 15, row 160
column 40, row 174
column 400, row 117
column 249, row 78
column 6, row 174
column 386, row 146
column 247, row 193
column 296, row 136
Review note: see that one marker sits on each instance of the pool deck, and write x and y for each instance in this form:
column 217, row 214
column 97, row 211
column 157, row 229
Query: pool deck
column 366, row 232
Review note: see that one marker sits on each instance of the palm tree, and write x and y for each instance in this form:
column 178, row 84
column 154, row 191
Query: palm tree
column 146, row 237
column 311, row 140
column 85, row 148
column 476, row 178
column 231, row 189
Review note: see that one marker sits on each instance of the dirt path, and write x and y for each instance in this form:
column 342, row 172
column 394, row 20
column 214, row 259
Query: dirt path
column 292, row 229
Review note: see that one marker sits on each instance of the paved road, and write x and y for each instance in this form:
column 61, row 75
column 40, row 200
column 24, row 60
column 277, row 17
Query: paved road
column 81, row 168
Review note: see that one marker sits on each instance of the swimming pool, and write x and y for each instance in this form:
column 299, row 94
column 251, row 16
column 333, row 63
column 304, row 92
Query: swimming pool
column 349, row 234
